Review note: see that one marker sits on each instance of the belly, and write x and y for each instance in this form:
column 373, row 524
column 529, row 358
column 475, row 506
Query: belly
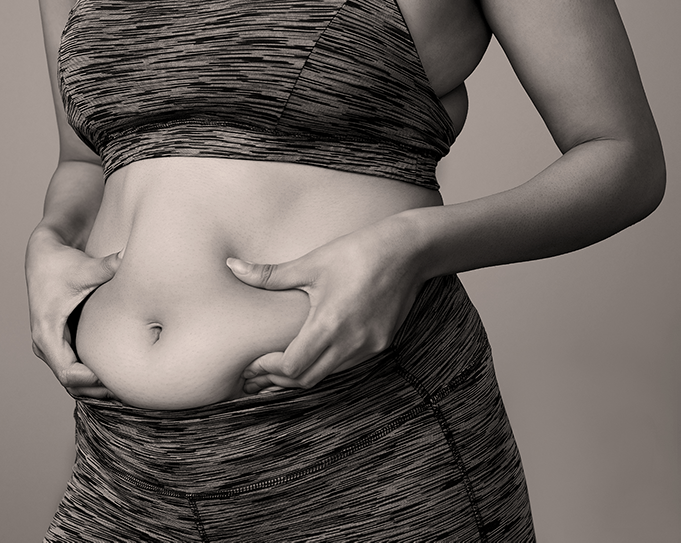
column 174, row 328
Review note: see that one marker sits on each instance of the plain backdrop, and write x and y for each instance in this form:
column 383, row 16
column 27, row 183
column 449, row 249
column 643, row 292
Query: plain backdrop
column 587, row 345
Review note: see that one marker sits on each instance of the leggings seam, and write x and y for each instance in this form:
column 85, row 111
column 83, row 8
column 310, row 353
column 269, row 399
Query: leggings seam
column 343, row 453
column 322, row 464
column 445, row 390
column 432, row 402
column 197, row 519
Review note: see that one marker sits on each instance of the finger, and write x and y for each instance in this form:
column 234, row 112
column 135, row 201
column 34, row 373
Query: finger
column 331, row 352
column 270, row 390
column 331, row 359
column 82, row 382
column 38, row 352
column 295, row 368
column 77, row 376
column 282, row 369
column 99, row 393
column 302, row 352
column 262, row 365
column 268, row 382
column 268, row 276
column 324, row 365
column 306, row 349
column 271, row 383
column 63, row 362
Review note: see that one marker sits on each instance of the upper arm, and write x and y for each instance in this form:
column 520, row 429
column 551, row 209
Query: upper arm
column 54, row 14
column 574, row 59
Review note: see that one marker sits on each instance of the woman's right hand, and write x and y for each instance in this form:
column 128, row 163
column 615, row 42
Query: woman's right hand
column 59, row 277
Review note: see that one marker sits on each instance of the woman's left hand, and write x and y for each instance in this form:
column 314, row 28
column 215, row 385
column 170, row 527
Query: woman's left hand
column 361, row 287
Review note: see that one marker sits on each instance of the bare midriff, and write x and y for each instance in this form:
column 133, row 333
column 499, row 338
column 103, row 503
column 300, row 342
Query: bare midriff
column 175, row 328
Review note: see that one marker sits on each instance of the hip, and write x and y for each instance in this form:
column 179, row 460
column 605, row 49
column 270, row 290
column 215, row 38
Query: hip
column 412, row 444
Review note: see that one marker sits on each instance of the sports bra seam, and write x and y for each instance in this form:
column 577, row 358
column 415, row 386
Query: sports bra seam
column 293, row 135
column 307, row 58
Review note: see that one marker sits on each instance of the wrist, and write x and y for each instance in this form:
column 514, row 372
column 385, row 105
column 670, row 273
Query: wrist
column 44, row 242
column 410, row 233
column 49, row 233
column 46, row 235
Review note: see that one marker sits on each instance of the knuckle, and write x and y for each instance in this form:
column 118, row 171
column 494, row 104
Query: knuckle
column 38, row 334
column 38, row 351
column 360, row 339
column 376, row 338
column 306, row 383
column 290, row 370
column 328, row 323
column 107, row 266
column 266, row 272
column 64, row 377
column 40, row 338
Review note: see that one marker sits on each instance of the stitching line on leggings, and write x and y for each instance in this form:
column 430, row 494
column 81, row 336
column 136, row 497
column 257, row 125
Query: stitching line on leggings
column 446, row 432
column 277, row 481
column 340, row 455
column 197, row 519
column 445, row 390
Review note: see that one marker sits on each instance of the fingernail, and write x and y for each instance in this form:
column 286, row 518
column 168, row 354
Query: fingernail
column 249, row 374
column 121, row 253
column 270, row 390
column 241, row 267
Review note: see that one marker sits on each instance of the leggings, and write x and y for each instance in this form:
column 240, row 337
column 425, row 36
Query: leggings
column 411, row 445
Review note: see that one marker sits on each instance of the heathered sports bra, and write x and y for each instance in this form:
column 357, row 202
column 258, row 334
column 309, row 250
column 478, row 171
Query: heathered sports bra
column 331, row 83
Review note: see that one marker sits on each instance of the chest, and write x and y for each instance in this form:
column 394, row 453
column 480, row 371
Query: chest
column 267, row 64
column 451, row 37
column 246, row 78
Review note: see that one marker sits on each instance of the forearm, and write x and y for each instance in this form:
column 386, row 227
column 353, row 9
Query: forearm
column 72, row 202
column 595, row 190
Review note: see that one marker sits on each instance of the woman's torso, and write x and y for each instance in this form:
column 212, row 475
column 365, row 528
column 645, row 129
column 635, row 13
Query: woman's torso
column 175, row 328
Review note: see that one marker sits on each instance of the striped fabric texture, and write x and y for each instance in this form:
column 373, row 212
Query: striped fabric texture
column 331, row 83
column 412, row 445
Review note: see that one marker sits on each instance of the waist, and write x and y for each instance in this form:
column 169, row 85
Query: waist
column 175, row 328
column 272, row 210
column 238, row 443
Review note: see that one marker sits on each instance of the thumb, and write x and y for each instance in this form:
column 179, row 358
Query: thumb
column 267, row 276
column 103, row 269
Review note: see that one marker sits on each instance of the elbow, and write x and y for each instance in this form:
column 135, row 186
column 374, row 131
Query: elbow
column 641, row 180
column 651, row 180
column 658, row 176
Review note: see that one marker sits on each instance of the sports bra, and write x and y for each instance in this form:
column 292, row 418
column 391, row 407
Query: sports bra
column 331, row 83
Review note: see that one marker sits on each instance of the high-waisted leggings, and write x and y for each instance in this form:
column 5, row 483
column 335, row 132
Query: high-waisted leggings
column 412, row 445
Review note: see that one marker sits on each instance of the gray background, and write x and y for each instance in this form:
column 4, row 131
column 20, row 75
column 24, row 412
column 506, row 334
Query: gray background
column 587, row 345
